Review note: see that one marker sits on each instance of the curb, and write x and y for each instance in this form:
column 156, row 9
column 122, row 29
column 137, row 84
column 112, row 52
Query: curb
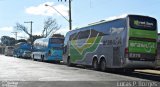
column 149, row 71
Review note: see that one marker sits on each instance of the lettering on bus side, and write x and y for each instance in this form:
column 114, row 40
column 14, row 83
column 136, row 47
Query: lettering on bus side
column 116, row 42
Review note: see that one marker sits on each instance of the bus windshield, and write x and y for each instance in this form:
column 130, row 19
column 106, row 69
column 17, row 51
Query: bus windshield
column 56, row 41
column 142, row 22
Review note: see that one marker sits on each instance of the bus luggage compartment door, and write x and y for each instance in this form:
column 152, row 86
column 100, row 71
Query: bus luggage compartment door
column 116, row 56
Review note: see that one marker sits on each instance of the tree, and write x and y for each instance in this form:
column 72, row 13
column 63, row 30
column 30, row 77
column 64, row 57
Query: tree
column 8, row 41
column 21, row 40
column 57, row 35
column 22, row 28
column 50, row 26
column 35, row 37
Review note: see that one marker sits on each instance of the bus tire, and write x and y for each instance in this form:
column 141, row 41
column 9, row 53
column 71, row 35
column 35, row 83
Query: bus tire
column 42, row 58
column 57, row 62
column 103, row 64
column 95, row 64
column 33, row 58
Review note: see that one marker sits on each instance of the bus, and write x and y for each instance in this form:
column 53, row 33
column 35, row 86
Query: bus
column 158, row 52
column 20, row 48
column 124, row 43
column 8, row 51
column 48, row 49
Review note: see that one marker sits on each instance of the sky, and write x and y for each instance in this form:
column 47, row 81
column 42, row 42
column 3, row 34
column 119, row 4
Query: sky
column 84, row 12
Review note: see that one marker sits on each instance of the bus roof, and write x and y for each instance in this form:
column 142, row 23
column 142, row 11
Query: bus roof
column 111, row 19
column 40, row 40
column 48, row 38
column 21, row 43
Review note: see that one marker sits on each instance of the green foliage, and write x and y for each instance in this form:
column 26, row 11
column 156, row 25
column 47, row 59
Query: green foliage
column 8, row 41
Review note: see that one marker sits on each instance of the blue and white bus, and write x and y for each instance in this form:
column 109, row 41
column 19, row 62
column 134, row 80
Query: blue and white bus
column 20, row 48
column 48, row 49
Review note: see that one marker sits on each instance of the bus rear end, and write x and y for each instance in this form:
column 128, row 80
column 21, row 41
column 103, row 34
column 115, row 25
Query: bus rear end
column 142, row 42
column 9, row 50
column 55, row 51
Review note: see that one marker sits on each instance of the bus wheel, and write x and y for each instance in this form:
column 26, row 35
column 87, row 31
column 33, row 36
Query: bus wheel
column 103, row 65
column 33, row 58
column 57, row 62
column 95, row 64
column 42, row 58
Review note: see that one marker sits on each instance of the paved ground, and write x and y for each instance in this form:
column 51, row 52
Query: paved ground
column 15, row 69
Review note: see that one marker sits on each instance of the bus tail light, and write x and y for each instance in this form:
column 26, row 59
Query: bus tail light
column 126, row 52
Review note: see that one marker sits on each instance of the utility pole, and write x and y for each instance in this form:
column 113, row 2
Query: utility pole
column 15, row 33
column 30, row 32
column 70, row 16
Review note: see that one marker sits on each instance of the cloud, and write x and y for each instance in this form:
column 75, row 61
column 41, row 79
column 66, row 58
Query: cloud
column 47, row 10
column 6, row 29
column 116, row 17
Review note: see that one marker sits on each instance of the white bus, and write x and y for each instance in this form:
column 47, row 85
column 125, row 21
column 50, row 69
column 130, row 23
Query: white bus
column 9, row 51
column 125, row 43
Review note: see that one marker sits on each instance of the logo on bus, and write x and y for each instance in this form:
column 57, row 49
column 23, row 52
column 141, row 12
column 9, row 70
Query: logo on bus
column 147, row 46
column 142, row 23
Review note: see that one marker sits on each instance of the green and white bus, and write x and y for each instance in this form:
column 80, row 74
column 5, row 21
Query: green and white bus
column 124, row 43
column 158, row 52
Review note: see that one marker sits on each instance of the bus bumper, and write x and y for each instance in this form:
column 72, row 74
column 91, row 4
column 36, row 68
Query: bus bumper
column 140, row 64
column 54, row 58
